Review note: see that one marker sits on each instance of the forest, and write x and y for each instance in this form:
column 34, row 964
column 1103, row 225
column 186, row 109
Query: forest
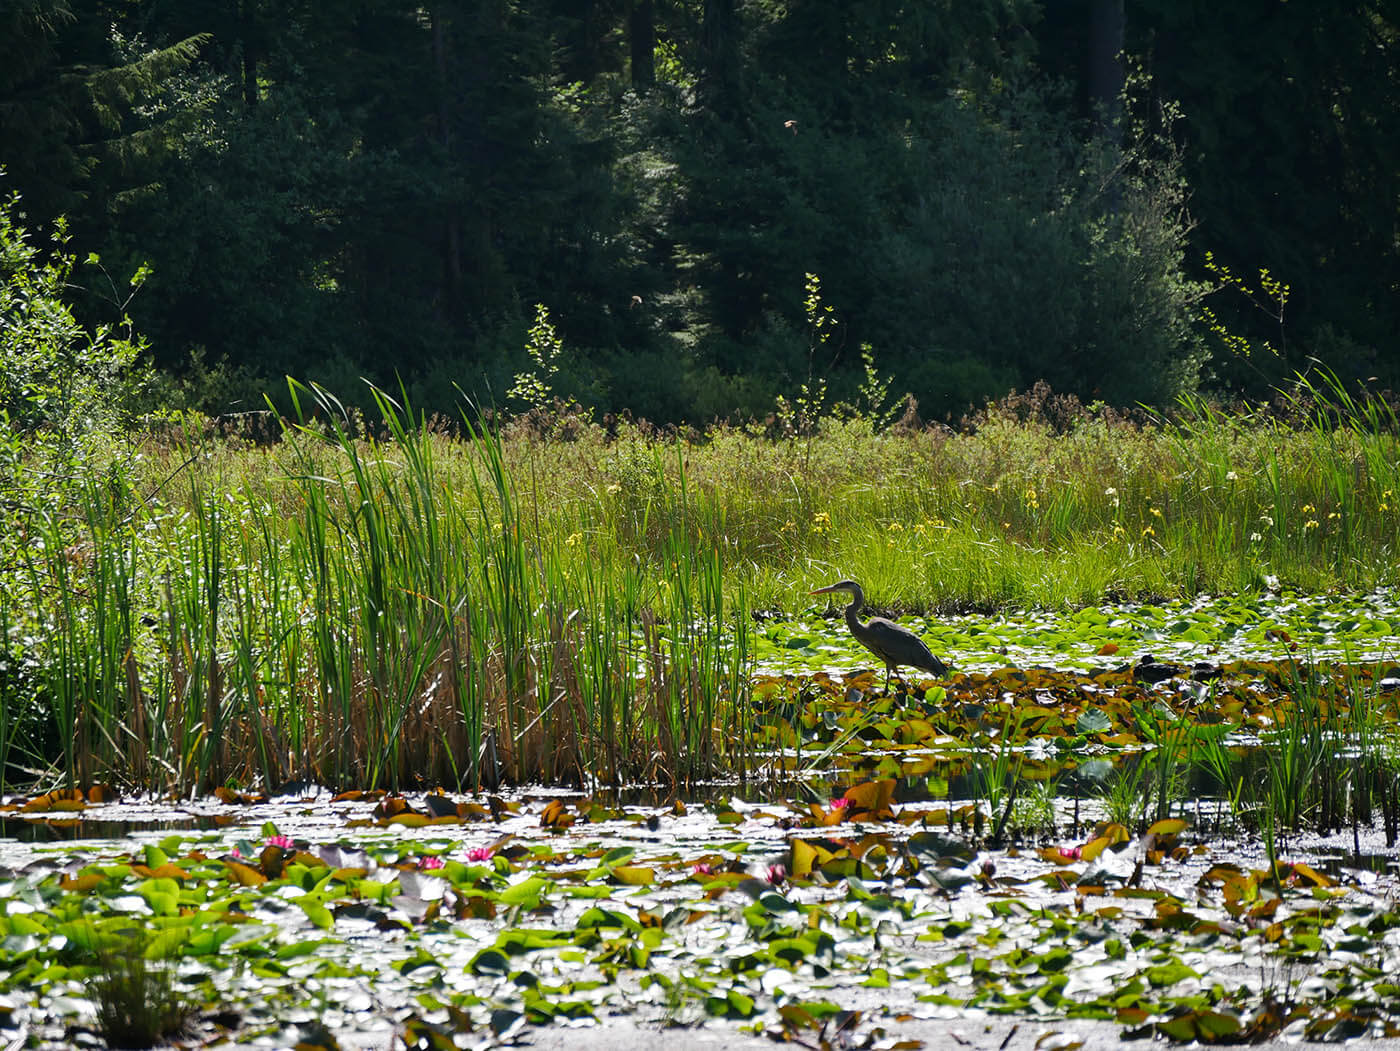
column 506, row 688
column 1127, row 201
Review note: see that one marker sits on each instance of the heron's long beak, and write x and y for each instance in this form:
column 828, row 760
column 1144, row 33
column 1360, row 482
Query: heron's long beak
column 823, row 591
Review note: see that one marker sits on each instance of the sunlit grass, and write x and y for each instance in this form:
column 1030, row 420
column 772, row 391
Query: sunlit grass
column 406, row 603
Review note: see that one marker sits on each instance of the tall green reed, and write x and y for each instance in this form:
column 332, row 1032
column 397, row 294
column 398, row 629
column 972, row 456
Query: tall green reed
column 386, row 604
column 360, row 620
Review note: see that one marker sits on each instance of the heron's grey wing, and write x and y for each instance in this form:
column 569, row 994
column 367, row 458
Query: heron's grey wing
column 897, row 644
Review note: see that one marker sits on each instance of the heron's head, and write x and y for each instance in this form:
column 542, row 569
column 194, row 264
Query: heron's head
column 840, row 585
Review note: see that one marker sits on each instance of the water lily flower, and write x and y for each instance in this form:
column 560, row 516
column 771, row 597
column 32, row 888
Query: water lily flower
column 840, row 803
column 702, row 868
column 1073, row 853
column 430, row 861
column 777, row 874
column 285, row 842
column 481, row 853
column 235, row 852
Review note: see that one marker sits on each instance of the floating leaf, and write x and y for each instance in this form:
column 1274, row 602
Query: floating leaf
column 1167, row 827
column 801, row 857
column 244, row 875
column 1092, row 721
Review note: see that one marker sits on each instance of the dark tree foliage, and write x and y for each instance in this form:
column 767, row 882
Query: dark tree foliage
column 1295, row 160
column 388, row 189
column 1291, row 148
column 68, row 89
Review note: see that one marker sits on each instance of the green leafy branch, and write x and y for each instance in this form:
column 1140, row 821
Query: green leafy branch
column 545, row 348
column 1270, row 296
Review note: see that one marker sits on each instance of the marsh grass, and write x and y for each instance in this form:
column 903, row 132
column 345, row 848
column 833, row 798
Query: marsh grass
column 134, row 992
column 399, row 601
column 1333, row 764
column 362, row 619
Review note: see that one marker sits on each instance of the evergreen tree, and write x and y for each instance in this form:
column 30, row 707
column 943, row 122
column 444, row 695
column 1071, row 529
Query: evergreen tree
column 68, row 98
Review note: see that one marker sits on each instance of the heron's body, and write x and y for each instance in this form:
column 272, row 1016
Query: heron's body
column 893, row 644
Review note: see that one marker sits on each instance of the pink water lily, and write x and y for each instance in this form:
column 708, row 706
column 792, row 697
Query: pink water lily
column 481, row 853
column 430, row 861
column 285, row 842
column 777, row 874
column 703, row 868
column 840, row 803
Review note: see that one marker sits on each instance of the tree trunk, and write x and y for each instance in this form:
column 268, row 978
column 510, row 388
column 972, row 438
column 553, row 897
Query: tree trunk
column 642, row 34
column 1106, row 30
column 718, row 54
column 452, row 225
column 246, row 29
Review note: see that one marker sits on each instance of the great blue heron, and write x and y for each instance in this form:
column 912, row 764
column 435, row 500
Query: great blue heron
column 893, row 644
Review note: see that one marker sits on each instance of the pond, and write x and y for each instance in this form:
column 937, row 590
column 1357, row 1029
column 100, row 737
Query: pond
column 1202, row 854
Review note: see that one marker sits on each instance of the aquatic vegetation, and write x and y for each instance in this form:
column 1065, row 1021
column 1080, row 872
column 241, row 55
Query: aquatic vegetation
column 1132, row 811
column 351, row 622
column 402, row 601
column 770, row 914
column 136, row 999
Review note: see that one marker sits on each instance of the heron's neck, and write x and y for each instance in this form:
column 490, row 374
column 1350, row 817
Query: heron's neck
column 853, row 610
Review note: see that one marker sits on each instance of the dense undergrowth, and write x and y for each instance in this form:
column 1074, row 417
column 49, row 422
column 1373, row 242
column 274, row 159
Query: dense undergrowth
column 400, row 602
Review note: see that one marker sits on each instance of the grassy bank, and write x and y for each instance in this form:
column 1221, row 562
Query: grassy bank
column 399, row 603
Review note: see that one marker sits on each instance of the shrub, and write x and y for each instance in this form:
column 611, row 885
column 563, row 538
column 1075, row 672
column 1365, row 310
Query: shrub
column 56, row 375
